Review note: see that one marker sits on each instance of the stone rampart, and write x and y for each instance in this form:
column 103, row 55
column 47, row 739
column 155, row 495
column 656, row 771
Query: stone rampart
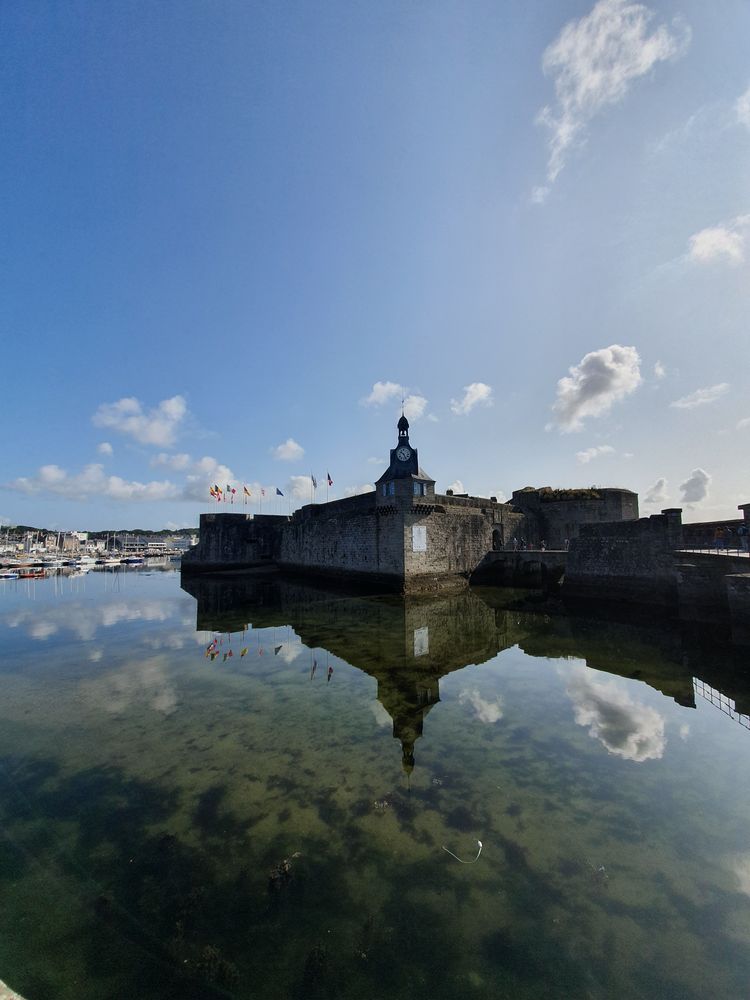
column 702, row 584
column 630, row 561
column 703, row 534
column 556, row 516
column 738, row 599
column 353, row 538
column 235, row 541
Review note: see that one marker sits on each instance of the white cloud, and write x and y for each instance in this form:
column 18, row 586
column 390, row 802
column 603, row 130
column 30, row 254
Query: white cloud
column 600, row 379
column 593, row 63
column 300, row 488
column 624, row 727
column 741, row 424
column 695, row 487
column 701, row 396
column 477, row 392
column 657, row 493
column 499, row 496
column 382, row 392
column 105, row 448
column 659, row 370
column 742, row 108
column 376, row 461
column 156, row 427
column 289, row 451
column 5, row 521
column 177, row 462
column 353, row 491
column 457, row 486
column 414, row 407
column 485, row 710
column 204, row 473
column 92, row 481
column 725, row 242
column 602, row 449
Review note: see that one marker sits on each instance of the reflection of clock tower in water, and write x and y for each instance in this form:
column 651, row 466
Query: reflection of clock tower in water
column 403, row 479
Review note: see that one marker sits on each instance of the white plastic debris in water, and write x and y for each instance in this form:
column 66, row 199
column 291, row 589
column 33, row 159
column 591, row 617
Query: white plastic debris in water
column 473, row 861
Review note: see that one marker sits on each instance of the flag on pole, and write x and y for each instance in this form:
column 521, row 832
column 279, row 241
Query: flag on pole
column 278, row 492
column 330, row 481
column 246, row 491
column 262, row 491
column 314, row 481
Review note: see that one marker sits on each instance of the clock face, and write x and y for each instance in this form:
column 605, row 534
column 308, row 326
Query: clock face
column 403, row 454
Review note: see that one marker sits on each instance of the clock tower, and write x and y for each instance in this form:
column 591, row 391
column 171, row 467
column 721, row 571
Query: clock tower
column 403, row 477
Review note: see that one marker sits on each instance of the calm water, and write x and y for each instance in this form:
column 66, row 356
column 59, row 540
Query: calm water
column 272, row 825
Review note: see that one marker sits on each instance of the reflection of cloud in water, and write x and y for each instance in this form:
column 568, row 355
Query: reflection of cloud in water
column 739, row 864
column 42, row 630
column 485, row 710
column 625, row 727
column 138, row 683
column 83, row 620
column 382, row 718
column 290, row 651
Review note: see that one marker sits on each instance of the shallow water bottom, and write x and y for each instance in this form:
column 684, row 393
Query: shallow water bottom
column 176, row 821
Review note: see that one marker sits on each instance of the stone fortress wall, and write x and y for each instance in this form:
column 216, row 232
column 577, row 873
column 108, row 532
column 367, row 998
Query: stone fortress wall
column 346, row 537
column 555, row 516
column 409, row 541
column 626, row 559
column 421, row 542
column 407, row 536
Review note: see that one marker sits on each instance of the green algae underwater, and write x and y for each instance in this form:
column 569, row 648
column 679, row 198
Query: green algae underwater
column 179, row 822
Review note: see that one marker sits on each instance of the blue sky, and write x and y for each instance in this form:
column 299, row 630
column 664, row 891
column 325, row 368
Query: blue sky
column 234, row 235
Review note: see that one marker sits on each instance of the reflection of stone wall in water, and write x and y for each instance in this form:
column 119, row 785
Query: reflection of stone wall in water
column 409, row 644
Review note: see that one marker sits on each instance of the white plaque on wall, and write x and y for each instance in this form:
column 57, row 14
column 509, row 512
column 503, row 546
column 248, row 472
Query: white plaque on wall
column 421, row 641
column 419, row 538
